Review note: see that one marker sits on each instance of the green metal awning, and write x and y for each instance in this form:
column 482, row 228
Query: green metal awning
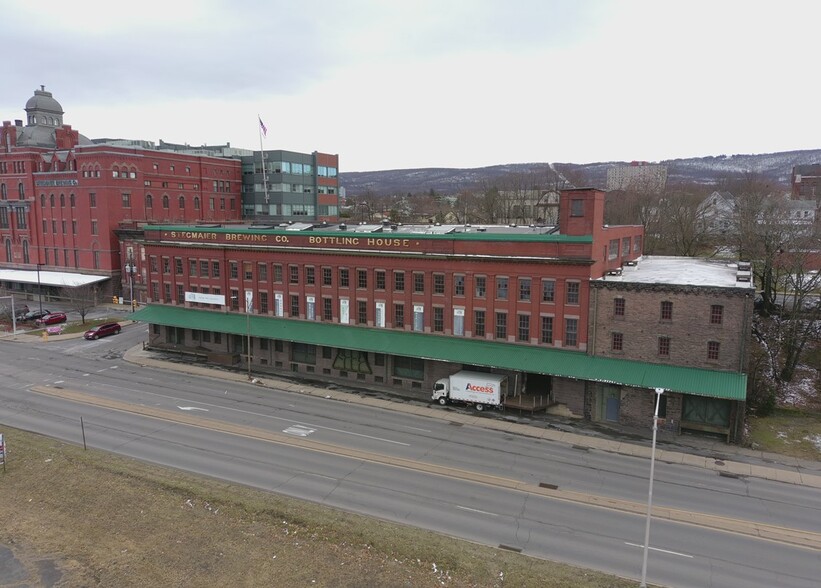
column 463, row 350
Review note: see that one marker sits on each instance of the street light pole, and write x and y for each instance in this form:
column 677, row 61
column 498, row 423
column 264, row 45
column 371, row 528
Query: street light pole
column 249, row 303
column 659, row 392
column 39, row 288
column 131, row 270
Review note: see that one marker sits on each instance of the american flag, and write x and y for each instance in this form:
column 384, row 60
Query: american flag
column 262, row 127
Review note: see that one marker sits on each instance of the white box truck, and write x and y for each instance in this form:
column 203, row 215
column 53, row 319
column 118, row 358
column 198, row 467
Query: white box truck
column 472, row 388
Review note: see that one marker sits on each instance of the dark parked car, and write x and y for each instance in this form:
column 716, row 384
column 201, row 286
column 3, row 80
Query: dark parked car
column 35, row 314
column 103, row 331
column 52, row 319
column 20, row 312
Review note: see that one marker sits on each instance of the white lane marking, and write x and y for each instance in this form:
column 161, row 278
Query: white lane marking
column 299, row 431
column 493, row 514
column 416, row 429
column 192, row 408
column 661, row 550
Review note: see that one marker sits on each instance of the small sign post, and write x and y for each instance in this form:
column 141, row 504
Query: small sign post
column 2, row 452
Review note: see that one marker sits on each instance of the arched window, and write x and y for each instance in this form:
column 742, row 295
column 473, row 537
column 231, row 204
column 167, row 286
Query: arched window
column 115, row 172
column 182, row 202
column 62, row 200
column 165, row 202
column 196, row 202
column 51, row 197
column 3, row 192
column 21, row 191
column 149, row 201
column 42, row 200
column 72, row 200
column 26, row 252
column 8, row 249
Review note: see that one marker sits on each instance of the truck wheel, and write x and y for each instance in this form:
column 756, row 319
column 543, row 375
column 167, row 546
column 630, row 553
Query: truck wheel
column 443, row 401
column 480, row 407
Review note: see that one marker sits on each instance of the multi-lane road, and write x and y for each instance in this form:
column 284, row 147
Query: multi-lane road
column 546, row 499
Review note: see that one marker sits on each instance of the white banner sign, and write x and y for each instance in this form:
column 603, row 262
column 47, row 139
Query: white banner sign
column 205, row 298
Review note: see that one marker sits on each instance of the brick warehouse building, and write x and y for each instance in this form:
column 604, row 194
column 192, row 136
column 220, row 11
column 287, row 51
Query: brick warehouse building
column 398, row 307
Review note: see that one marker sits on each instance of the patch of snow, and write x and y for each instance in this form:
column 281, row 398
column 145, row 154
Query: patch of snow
column 815, row 440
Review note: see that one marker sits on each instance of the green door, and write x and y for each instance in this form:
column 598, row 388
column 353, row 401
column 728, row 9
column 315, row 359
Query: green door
column 707, row 411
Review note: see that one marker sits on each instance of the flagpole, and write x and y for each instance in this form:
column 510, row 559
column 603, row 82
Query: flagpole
column 262, row 154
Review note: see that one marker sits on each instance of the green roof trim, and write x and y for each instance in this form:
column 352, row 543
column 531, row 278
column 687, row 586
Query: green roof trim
column 463, row 350
column 473, row 236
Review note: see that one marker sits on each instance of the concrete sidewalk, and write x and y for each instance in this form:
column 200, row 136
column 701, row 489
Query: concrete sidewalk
column 709, row 454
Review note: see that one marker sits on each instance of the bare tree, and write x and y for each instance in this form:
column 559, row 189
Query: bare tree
column 81, row 298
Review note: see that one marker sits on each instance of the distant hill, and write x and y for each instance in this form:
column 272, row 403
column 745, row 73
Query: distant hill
column 775, row 167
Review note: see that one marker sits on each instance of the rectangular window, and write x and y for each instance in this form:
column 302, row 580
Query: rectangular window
column 92, row 200
column 524, row 289
column 501, row 288
column 380, row 279
column 263, row 302
column 614, row 249
column 618, row 307
column 523, row 332
column 247, row 270
column 192, row 268
column 399, row 316
column 408, row 367
column 310, row 275
column 479, row 328
column 327, row 279
column 234, row 270
column 438, row 283
column 666, row 310
column 399, row 281
column 577, row 207
column 573, row 292
column 303, row 353
column 278, row 273
column 203, row 268
column 126, row 200
column 548, row 290
column 481, row 286
column 178, row 266
column 617, row 342
column 93, row 227
column 362, row 278
column 438, row 319
column 458, row 285
column 547, row 330
column 294, row 305
column 664, row 346
column 180, row 294
column 215, row 269
column 262, row 271
column 362, row 312
column 418, row 282
column 293, row 271
column 327, row 309
column 344, row 278
column 166, row 265
column 625, row 246
column 501, row 325
column 713, row 348
column 571, row 332
column 716, row 314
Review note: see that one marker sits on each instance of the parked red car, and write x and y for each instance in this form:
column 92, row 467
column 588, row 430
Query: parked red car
column 103, row 331
column 52, row 319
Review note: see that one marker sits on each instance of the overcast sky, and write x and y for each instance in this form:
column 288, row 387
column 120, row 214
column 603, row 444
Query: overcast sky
column 390, row 84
